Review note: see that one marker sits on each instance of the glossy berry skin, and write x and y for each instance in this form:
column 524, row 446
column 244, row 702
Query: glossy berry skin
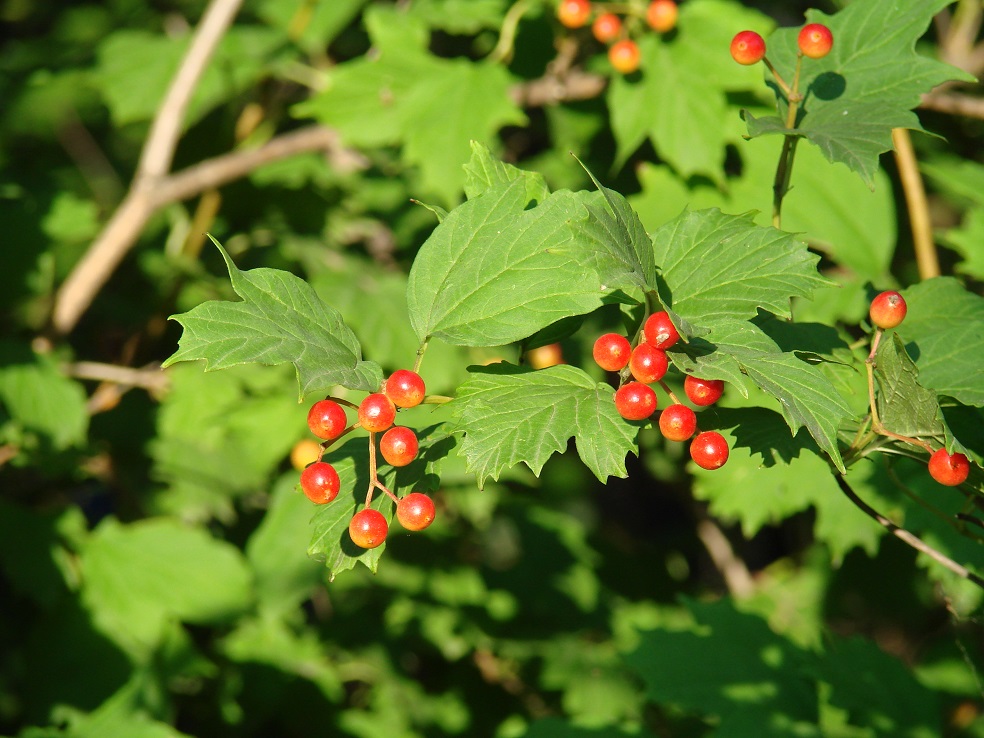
column 703, row 392
column 709, row 450
column 661, row 15
column 399, row 446
column 612, row 352
column 326, row 419
column 368, row 528
column 606, row 27
column 747, row 47
column 405, row 388
column 635, row 401
column 887, row 310
column 574, row 13
column 319, row 482
column 377, row 412
column 624, row 56
column 947, row 469
column 660, row 331
column 677, row 423
column 648, row 364
column 815, row 40
column 415, row 511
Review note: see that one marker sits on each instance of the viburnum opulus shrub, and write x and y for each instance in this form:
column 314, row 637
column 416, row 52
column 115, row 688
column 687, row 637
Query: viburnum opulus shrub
column 704, row 306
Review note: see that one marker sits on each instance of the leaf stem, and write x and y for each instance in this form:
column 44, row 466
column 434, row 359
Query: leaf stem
column 505, row 46
column 420, row 355
column 927, row 260
column 784, row 169
column 904, row 535
column 373, row 480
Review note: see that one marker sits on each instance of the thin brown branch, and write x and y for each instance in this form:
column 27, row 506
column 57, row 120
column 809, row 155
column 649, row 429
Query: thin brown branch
column 552, row 89
column 733, row 569
column 904, row 535
column 158, row 151
column 915, row 198
column 149, row 377
column 954, row 103
column 126, row 224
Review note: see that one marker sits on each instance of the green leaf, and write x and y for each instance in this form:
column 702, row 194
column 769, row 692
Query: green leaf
column 904, row 406
column 678, row 101
column 511, row 415
column 614, row 242
column 719, row 266
column 966, row 241
column 280, row 320
column 39, row 398
column 484, row 171
column 866, row 86
column 137, row 576
column 806, row 397
column 942, row 332
column 135, row 68
column 496, row 271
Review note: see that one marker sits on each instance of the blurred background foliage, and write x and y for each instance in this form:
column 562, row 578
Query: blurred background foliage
column 154, row 580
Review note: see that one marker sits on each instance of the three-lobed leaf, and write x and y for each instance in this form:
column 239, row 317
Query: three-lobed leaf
column 280, row 320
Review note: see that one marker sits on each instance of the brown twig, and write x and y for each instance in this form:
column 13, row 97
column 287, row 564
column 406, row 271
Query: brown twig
column 954, row 103
column 904, row 535
column 915, row 198
column 736, row 575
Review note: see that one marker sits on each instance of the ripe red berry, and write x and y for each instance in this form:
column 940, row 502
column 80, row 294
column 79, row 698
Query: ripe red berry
column 399, row 446
column 377, row 412
column 709, row 450
column 319, row 481
column 661, row 15
column 747, row 47
column 574, row 13
column 888, row 310
column 612, row 351
column 660, row 331
column 624, row 56
column 415, row 511
column 703, row 392
column 368, row 528
column 405, row 388
column 677, row 422
column 815, row 40
column 648, row 363
column 948, row 469
column 606, row 27
column 635, row 401
column 326, row 419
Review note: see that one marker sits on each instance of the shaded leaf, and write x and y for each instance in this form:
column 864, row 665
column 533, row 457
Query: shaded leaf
column 904, row 406
column 511, row 415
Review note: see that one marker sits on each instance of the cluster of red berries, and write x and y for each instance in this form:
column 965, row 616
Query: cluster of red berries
column 815, row 41
column 647, row 363
column 887, row 311
column 398, row 446
column 608, row 27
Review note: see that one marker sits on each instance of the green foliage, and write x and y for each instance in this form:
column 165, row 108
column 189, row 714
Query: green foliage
column 163, row 575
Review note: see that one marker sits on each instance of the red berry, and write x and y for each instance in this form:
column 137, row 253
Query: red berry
column 368, row 528
column 648, row 364
column 319, row 482
column 815, row 40
column 376, row 412
column 415, row 511
column 947, row 469
column 747, row 47
column 405, row 388
column 612, row 351
column 635, row 401
column 703, row 392
column 606, row 27
column 887, row 310
column 624, row 56
column 326, row 419
column 661, row 15
column 660, row 331
column 399, row 446
column 677, row 422
column 574, row 13
column 709, row 450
